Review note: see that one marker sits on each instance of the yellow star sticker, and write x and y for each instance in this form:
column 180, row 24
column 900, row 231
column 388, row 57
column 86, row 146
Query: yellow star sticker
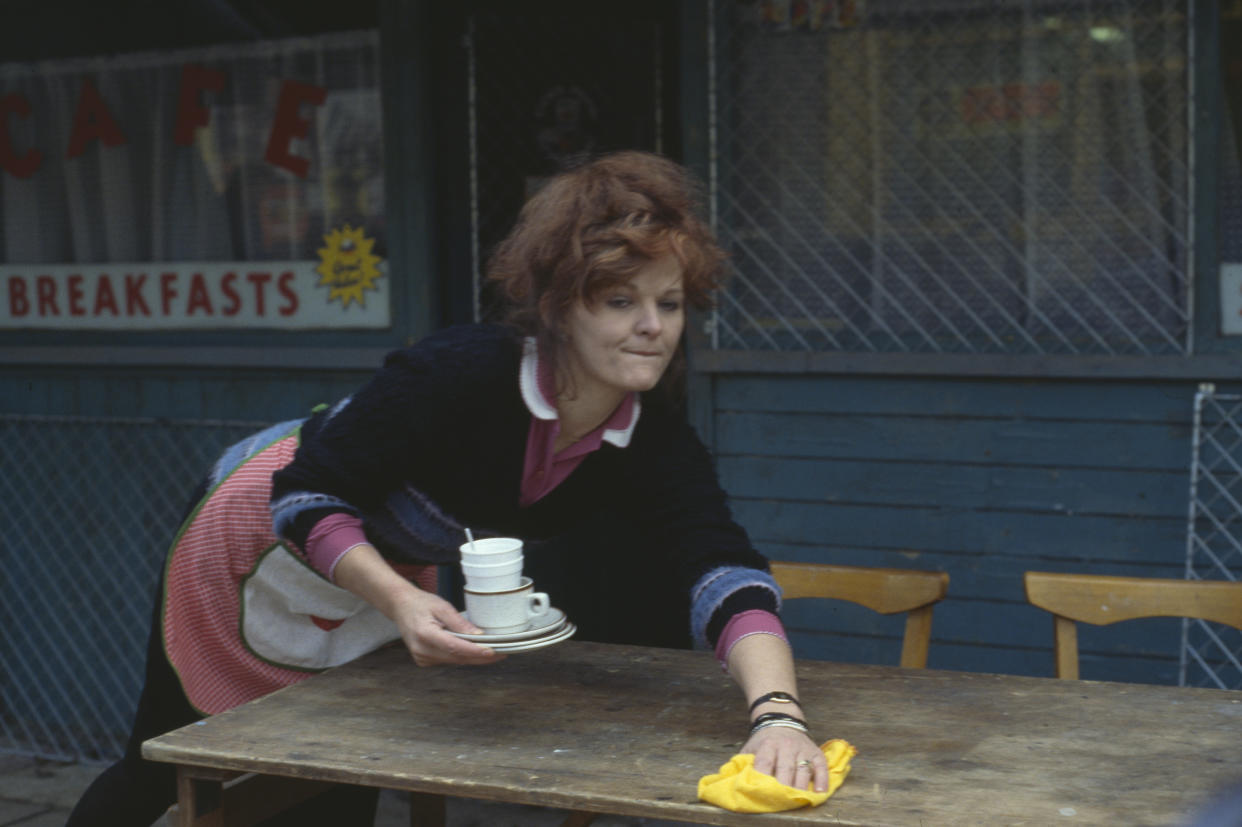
column 347, row 267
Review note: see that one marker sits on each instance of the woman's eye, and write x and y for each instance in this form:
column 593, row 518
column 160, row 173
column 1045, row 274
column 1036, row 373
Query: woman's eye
column 619, row 302
column 670, row 306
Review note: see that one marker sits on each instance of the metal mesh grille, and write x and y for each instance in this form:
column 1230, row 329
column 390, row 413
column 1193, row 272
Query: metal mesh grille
column 1212, row 653
column 952, row 176
column 89, row 507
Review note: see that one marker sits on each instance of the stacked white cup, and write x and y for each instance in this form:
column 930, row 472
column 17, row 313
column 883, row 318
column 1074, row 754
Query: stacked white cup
column 492, row 564
column 499, row 600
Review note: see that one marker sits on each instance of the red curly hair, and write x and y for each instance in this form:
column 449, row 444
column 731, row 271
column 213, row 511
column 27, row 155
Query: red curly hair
column 595, row 226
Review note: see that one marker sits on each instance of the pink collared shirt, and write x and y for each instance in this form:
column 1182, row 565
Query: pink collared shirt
column 545, row 468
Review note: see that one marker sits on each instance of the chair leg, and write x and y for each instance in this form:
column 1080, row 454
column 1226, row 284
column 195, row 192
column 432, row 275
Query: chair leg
column 917, row 638
column 1065, row 647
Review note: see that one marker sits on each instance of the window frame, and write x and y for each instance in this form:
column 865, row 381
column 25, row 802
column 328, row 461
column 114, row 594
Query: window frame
column 1211, row 356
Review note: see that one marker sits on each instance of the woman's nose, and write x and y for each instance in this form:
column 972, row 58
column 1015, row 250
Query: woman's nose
column 649, row 321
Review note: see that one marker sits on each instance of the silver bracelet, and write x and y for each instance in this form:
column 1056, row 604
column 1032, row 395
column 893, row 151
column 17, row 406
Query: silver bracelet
column 791, row 724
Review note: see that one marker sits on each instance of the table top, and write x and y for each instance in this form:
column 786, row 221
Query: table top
column 629, row 730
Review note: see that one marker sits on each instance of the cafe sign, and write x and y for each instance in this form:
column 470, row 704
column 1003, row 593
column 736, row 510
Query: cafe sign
column 214, row 189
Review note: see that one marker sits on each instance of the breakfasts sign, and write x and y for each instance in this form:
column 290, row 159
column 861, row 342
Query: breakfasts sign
column 344, row 288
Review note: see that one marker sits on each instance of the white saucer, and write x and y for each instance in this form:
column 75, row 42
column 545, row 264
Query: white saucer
column 564, row 633
column 546, row 623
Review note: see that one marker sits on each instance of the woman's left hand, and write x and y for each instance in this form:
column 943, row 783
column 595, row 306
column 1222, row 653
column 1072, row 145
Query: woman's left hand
column 790, row 756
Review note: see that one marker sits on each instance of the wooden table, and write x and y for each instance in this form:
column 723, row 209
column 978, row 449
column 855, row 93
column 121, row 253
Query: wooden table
column 629, row 730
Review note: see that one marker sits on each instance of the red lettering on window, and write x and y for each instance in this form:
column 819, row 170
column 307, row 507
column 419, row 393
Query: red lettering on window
column 74, row 283
column 230, row 293
column 168, row 292
column 1010, row 102
column 191, row 114
column 27, row 164
column 283, row 284
column 92, row 121
column 45, row 289
column 105, row 299
column 1048, row 97
column 1014, row 98
column 19, row 304
column 134, row 302
column 259, row 280
column 199, row 297
column 288, row 124
column 970, row 105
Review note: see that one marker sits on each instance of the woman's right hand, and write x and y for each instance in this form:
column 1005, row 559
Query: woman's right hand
column 425, row 620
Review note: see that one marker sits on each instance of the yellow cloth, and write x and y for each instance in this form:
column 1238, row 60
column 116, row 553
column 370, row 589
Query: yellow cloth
column 743, row 789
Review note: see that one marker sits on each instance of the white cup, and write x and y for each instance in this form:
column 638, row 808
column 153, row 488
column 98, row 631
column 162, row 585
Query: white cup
column 492, row 577
column 511, row 610
column 492, row 550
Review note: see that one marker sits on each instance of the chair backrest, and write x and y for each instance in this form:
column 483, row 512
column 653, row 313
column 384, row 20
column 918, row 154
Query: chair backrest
column 1103, row 599
column 887, row 591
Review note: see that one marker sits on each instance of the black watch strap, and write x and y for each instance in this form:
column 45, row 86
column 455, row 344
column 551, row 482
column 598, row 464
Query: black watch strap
column 775, row 697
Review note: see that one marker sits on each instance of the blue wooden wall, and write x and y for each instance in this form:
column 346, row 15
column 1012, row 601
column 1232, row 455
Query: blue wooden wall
column 253, row 395
column 981, row 478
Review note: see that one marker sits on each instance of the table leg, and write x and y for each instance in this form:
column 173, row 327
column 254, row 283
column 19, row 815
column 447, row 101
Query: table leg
column 426, row 810
column 579, row 818
column 225, row 798
column 199, row 800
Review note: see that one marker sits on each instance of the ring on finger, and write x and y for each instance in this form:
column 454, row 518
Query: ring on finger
column 805, row 763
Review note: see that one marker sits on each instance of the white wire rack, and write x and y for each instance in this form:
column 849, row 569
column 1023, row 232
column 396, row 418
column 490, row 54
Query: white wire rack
column 1211, row 653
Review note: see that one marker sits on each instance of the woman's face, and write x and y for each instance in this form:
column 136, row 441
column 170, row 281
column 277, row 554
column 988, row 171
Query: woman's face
column 627, row 339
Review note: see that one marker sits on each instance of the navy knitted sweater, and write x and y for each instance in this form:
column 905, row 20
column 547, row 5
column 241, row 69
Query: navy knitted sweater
column 436, row 441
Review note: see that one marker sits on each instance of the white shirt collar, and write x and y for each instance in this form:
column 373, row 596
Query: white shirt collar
column 541, row 408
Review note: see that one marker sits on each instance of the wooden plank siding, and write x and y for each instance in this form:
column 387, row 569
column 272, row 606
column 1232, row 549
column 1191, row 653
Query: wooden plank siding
column 981, row 478
column 250, row 395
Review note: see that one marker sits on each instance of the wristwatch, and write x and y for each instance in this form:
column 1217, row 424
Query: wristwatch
column 777, row 697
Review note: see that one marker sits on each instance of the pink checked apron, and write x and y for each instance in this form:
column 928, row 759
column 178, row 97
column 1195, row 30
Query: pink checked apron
column 244, row 614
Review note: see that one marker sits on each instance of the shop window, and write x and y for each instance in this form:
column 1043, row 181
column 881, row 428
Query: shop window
column 953, row 177
column 229, row 188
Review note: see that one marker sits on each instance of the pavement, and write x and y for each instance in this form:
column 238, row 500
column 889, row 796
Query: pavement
column 36, row 793
column 40, row 793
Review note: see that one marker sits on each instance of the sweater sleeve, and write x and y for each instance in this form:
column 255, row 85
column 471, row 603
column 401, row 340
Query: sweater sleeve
column 399, row 431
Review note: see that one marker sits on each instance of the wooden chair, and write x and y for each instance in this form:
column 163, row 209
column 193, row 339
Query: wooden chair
column 887, row 591
column 1104, row 599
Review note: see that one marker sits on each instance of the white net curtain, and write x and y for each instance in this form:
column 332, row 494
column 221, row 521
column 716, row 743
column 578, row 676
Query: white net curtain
column 278, row 141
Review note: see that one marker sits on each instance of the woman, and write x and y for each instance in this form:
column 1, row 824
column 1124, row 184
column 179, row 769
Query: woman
column 559, row 428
